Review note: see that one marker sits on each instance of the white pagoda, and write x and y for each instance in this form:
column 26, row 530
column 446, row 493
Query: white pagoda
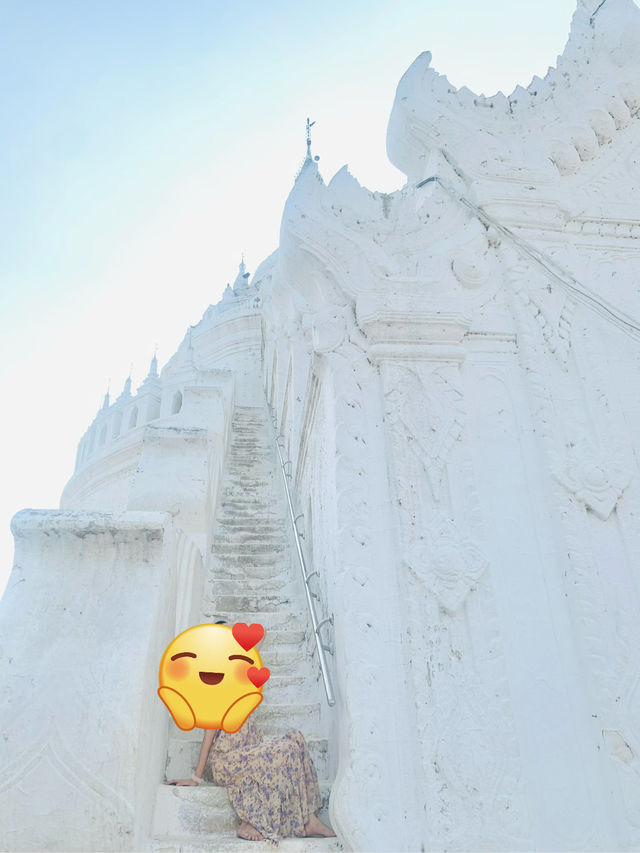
column 444, row 382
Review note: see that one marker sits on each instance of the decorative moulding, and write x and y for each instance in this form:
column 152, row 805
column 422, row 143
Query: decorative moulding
column 595, row 477
column 329, row 328
column 448, row 563
column 406, row 322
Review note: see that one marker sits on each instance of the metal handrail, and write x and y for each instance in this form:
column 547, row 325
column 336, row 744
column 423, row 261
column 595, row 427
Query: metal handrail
column 306, row 575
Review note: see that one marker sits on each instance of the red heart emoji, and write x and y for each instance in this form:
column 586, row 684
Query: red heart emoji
column 247, row 635
column 258, row 676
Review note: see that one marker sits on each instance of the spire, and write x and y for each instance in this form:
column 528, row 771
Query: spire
column 125, row 394
column 105, row 403
column 310, row 162
column 309, row 126
column 126, row 391
column 228, row 294
column 153, row 367
column 152, row 378
column 241, row 282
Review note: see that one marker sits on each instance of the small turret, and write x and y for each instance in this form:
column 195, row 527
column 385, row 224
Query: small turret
column 153, row 368
column 228, row 294
column 126, row 391
column 242, row 279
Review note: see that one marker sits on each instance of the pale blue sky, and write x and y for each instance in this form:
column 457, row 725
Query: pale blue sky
column 145, row 145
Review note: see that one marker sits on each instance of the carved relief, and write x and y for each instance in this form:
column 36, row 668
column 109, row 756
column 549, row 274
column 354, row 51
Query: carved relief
column 596, row 477
column 593, row 463
column 43, row 778
column 552, row 311
column 427, row 414
column 471, row 270
column 467, row 746
column 448, row 564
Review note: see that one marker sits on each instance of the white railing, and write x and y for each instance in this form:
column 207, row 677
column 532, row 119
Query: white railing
column 306, row 574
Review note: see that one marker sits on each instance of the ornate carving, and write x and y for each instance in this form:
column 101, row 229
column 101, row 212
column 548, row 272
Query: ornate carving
column 447, row 563
column 427, row 413
column 329, row 328
column 471, row 270
column 554, row 324
column 595, row 477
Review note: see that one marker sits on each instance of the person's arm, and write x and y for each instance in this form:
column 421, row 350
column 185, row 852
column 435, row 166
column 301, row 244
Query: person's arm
column 207, row 740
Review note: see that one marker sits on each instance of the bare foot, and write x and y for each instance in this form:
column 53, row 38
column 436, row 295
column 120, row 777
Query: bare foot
column 249, row 832
column 315, row 826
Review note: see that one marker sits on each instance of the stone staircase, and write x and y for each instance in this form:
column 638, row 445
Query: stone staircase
column 250, row 579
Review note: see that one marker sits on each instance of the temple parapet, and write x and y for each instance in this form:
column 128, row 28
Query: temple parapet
column 558, row 125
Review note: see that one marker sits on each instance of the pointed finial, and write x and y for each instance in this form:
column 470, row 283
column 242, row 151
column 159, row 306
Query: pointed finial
column 228, row 293
column 309, row 126
column 241, row 281
column 153, row 367
column 105, row 404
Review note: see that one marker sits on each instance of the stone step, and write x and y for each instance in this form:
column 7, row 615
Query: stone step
column 263, row 509
column 243, row 481
column 200, row 814
column 250, row 602
column 244, row 451
column 248, row 535
column 224, row 567
column 260, row 566
column 183, row 753
column 288, row 686
column 237, row 547
column 283, row 659
column 234, row 562
column 271, row 620
column 261, row 504
column 265, row 569
column 241, row 557
column 255, row 525
column 239, row 585
column 251, row 462
column 239, row 574
column 247, row 447
column 242, row 491
column 278, row 638
column 228, row 842
column 244, row 514
column 241, row 547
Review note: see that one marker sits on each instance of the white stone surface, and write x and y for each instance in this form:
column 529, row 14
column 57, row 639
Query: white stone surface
column 83, row 623
column 453, row 369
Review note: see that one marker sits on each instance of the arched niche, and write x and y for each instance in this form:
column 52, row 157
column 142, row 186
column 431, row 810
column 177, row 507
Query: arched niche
column 117, row 425
column 153, row 409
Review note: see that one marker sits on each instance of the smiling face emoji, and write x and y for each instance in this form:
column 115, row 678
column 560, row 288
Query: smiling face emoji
column 211, row 676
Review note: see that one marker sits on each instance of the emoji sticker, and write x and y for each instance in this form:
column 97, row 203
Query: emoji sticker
column 211, row 676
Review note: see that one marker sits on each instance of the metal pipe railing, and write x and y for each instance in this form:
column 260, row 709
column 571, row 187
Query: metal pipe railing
column 305, row 573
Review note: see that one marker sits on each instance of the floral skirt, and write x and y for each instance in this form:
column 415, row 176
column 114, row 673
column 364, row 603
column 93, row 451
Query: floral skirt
column 272, row 785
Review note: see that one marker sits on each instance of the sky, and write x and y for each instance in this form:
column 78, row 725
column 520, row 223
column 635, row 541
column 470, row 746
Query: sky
column 147, row 144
